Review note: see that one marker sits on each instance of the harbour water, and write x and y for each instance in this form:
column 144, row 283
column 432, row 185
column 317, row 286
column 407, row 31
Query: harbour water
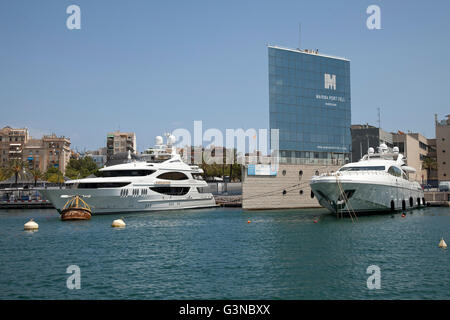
column 218, row 254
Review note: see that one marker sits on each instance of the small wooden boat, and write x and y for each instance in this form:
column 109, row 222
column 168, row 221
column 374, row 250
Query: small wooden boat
column 76, row 209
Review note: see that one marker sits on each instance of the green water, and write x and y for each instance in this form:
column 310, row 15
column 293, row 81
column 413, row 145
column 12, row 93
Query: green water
column 217, row 254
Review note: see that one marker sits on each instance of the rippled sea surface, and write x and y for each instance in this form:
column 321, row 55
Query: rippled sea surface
column 217, row 254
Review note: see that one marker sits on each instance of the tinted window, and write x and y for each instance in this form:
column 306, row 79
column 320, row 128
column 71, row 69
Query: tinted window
column 125, row 173
column 173, row 191
column 395, row 171
column 173, row 176
column 372, row 168
column 97, row 185
column 197, row 176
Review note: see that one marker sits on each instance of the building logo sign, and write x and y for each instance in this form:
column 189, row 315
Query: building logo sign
column 262, row 170
column 330, row 81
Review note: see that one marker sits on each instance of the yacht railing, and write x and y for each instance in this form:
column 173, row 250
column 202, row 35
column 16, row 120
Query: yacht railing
column 325, row 162
column 360, row 172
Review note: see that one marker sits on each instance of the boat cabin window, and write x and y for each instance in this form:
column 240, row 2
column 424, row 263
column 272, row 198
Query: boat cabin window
column 197, row 176
column 203, row 189
column 173, row 176
column 371, row 168
column 97, row 185
column 172, row 191
column 395, row 171
column 125, row 173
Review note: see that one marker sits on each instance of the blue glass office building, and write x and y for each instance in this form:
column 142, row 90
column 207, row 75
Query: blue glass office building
column 309, row 102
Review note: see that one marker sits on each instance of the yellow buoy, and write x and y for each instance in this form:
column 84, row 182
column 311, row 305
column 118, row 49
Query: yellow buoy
column 31, row 225
column 442, row 244
column 119, row 223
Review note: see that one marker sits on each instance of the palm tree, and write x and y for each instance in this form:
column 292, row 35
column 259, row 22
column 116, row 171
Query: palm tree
column 57, row 177
column 17, row 168
column 37, row 174
column 3, row 174
column 429, row 164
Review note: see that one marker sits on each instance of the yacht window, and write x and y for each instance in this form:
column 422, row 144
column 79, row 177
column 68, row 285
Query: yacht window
column 371, row 168
column 173, row 176
column 173, row 191
column 197, row 176
column 97, row 185
column 203, row 189
column 125, row 173
column 395, row 171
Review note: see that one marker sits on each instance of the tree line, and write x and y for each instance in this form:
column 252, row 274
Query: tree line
column 84, row 167
column 76, row 169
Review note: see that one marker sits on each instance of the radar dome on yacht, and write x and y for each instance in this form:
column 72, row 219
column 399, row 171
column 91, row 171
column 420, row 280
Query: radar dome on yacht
column 383, row 147
column 171, row 139
column 159, row 140
column 395, row 150
column 371, row 150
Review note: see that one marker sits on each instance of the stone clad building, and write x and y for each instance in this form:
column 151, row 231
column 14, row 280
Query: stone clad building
column 288, row 189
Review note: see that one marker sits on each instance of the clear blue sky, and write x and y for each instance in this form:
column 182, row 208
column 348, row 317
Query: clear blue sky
column 154, row 66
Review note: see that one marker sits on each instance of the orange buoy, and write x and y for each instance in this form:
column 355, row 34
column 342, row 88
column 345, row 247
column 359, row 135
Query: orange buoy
column 248, row 221
column 315, row 221
column 403, row 215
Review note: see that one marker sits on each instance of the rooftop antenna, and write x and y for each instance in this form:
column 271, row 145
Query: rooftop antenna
column 299, row 36
column 379, row 118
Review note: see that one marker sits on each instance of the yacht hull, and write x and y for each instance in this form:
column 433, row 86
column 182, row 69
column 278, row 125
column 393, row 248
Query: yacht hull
column 107, row 201
column 365, row 196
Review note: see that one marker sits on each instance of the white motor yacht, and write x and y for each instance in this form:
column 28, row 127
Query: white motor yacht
column 159, row 181
column 378, row 182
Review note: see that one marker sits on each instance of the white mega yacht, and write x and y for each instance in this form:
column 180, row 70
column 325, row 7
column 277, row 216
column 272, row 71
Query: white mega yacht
column 159, row 181
column 378, row 182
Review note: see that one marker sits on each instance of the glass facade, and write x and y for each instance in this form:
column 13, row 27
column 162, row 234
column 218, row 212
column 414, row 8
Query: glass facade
column 309, row 102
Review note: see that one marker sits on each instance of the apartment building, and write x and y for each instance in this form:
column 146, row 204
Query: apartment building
column 49, row 151
column 120, row 142
column 417, row 148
